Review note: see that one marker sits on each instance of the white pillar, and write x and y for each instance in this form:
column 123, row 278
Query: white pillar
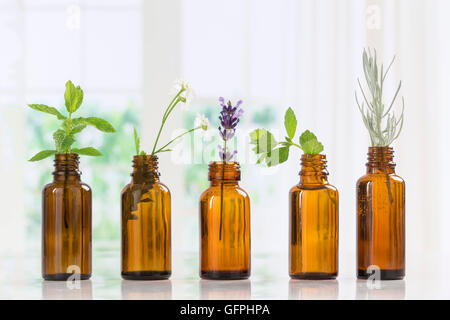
column 162, row 66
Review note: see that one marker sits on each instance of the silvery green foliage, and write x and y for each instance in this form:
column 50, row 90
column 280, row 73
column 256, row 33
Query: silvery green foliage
column 383, row 126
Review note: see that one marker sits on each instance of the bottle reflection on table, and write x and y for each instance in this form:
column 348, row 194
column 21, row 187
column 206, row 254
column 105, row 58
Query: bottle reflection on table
column 66, row 290
column 146, row 290
column 225, row 290
column 313, row 289
column 381, row 290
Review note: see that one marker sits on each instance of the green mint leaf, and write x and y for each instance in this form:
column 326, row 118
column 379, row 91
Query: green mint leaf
column 89, row 151
column 47, row 109
column 263, row 140
column 58, row 137
column 73, row 97
column 290, row 123
column 309, row 143
column 42, row 155
column 77, row 128
column 98, row 123
column 312, row 147
column 136, row 141
column 277, row 156
column 306, row 136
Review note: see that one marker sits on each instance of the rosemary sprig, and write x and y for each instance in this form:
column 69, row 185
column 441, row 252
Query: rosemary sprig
column 383, row 126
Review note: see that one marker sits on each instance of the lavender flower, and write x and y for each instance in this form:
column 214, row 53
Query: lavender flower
column 229, row 118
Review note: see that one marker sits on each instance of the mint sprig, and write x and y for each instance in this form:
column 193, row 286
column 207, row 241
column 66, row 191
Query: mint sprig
column 272, row 152
column 64, row 137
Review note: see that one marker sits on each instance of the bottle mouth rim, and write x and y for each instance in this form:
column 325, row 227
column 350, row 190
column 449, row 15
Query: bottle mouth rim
column 376, row 148
column 227, row 165
column 221, row 162
column 224, row 171
column 314, row 156
column 377, row 154
column 67, row 156
column 145, row 157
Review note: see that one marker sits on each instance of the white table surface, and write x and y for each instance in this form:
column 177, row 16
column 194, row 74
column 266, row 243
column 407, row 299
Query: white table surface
column 20, row 279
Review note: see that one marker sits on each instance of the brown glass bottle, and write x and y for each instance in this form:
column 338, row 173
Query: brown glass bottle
column 224, row 225
column 146, row 223
column 66, row 222
column 381, row 218
column 314, row 222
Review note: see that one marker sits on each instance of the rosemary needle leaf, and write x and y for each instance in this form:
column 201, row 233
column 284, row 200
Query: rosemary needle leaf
column 383, row 126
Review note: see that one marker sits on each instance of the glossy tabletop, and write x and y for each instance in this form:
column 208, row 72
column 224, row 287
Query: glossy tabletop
column 20, row 279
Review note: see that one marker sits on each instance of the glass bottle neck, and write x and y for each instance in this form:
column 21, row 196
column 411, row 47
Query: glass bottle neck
column 380, row 159
column 314, row 169
column 145, row 169
column 66, row 167
column 224, row 172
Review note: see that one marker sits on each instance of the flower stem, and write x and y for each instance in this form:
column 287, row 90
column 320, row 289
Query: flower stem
column 169, row 109
column 69, row 125
column 221, row 189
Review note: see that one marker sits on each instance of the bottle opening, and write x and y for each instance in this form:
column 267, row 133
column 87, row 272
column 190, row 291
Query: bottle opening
column 224, row 171
column 66, row 164
column 381, row 158
column 314, row 169
column 145, row 167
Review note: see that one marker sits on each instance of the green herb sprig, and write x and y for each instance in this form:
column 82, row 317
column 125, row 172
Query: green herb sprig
column 137, row 143
column 64, row 137
column 383, row 126
column 272, row 152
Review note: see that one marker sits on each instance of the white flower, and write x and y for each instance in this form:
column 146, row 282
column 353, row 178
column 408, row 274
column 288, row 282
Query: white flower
column 188, row 93
column 201, row 121
column 178, row 85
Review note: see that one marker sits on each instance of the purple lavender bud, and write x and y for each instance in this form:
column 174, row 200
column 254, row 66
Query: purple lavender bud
column 227, row 134
column 226, row 156
column 229, row 118
column 239, row 113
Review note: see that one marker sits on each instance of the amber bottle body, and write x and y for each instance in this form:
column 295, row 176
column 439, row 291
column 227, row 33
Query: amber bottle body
column 381, row 218
column 224, row 225
column 314, row 223
column 66, row 223
column 146, row 223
